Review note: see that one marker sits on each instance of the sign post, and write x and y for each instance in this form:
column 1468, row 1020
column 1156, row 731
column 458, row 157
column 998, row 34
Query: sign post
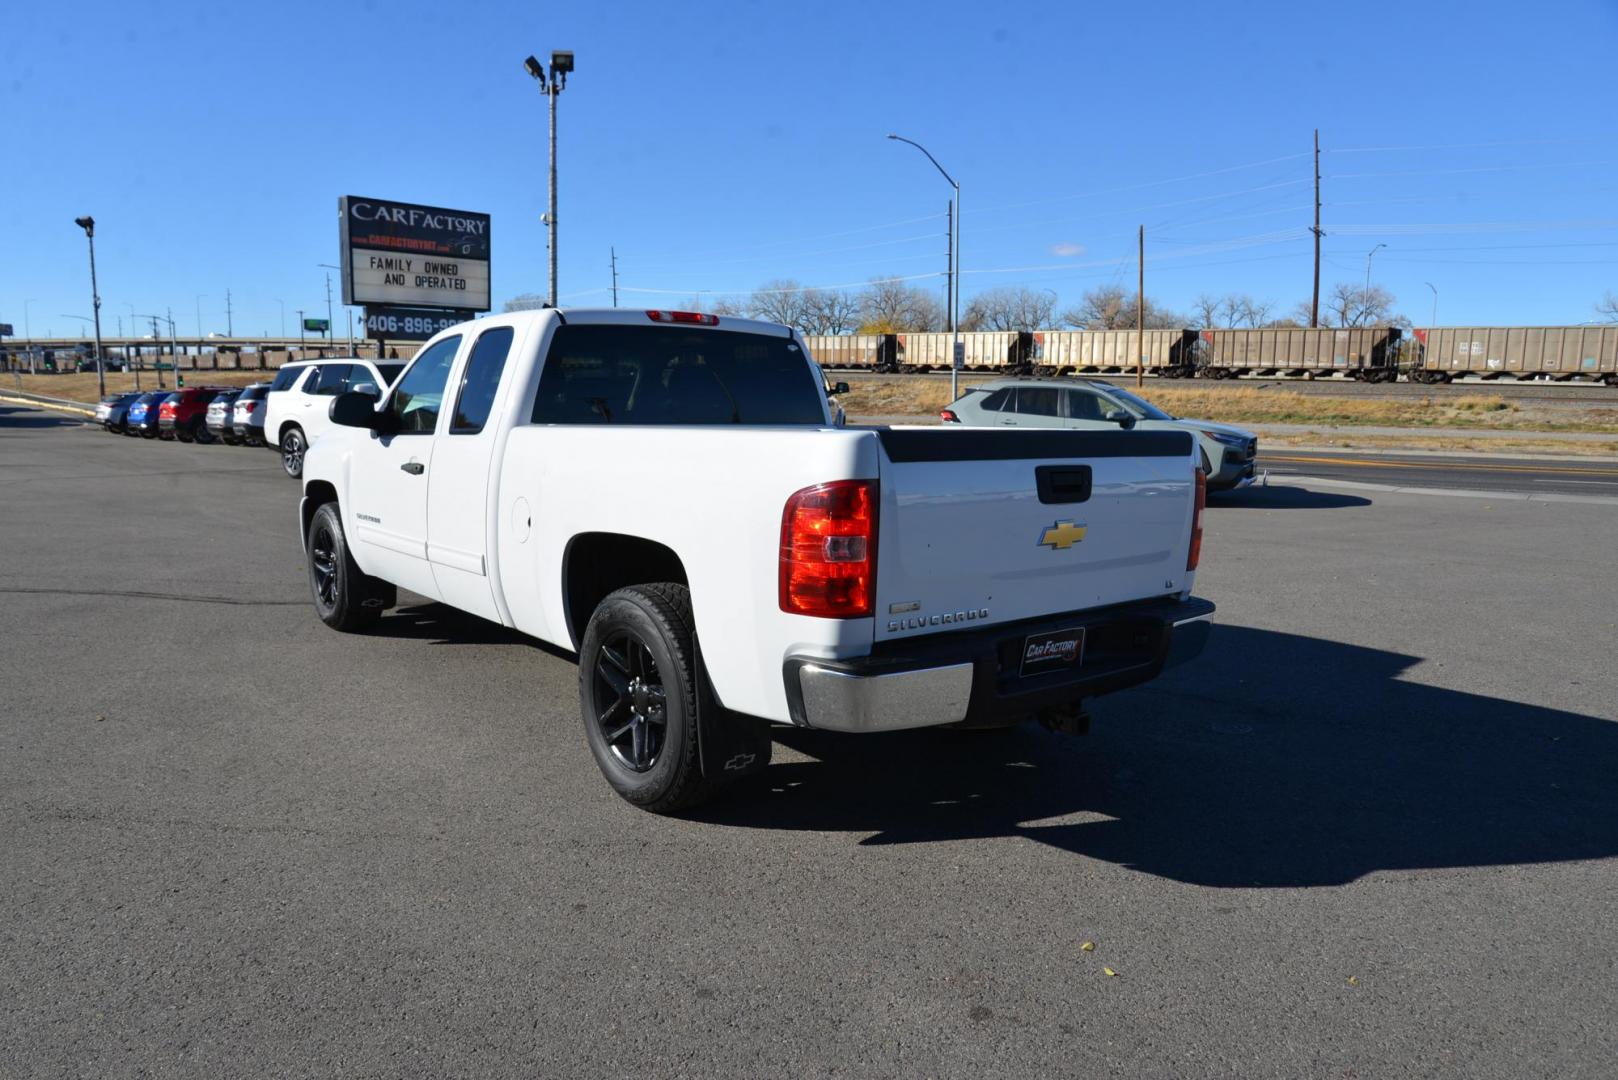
column 415, row 269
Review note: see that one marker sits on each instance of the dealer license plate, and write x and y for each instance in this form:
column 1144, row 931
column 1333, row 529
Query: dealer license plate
column 1057, row 650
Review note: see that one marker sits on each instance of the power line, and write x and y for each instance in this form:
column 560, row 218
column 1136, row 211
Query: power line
column 1140, row 187
column 1474, row 145
column 799, row 240
column 803, row 254
column 1476, row 169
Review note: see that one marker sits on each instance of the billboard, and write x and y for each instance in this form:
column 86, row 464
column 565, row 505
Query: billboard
column 414, row 256
column 410, row 324
column 319, row 326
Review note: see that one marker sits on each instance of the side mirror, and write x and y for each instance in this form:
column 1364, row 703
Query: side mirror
column 355, row 409
column 1122, row 419
column 370, row 390
column 837, row 388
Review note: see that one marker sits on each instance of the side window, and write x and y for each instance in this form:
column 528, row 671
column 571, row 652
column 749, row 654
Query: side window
column 1082, row 405
column 479, row 381
column 1039, row 401
column 420, row 394
column 285, row 378
column 333, row 380
column 996, row 402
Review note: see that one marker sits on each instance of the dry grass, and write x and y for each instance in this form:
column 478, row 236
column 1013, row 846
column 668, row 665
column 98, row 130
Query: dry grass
column 77, row 387
column 1238, row 405
column 1444, row 443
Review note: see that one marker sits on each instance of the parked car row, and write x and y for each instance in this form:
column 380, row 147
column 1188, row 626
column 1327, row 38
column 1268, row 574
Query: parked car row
column 286, row 413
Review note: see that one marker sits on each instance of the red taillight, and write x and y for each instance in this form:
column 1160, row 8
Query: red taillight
column 683, row 316
column 828, row 550
column 1195, row 555
column 249, row 405
column 949, row 417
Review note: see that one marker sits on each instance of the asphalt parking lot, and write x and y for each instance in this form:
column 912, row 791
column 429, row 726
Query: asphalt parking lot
column 1372, row 832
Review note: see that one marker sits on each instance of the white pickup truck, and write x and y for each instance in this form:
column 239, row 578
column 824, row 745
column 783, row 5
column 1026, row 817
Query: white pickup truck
column 671, row 496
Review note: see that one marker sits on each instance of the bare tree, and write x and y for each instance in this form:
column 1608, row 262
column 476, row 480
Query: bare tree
column 1607, row 308
column 1009, row 308
column 1206, row 310
column 1102, row 308
column 527, row 301
column 1110, row 308
column 1354, row 305
column 782, row 301
column 714, row 305
column 830, row 311
column 888, row 305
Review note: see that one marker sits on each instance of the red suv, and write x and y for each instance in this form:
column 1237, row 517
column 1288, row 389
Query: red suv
column 184, row 414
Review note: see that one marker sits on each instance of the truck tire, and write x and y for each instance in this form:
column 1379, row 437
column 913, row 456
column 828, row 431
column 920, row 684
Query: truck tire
column 346, row 598
column 293, row 445
column 200, row 433
column 641, row 686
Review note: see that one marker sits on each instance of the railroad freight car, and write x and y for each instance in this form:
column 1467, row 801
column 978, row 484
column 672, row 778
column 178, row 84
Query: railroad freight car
column 1516, row 352
column 1370, row 354
column 985, row 350
column 1170, row 353
column 852, row 352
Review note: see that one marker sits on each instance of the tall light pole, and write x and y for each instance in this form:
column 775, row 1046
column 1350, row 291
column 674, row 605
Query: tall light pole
column 1433, row 287
column 199, row 299
column 1365, row 297
column 28, row 331
column 283, row 304
column 561, row 64
column 954, row 272
column 88, row 224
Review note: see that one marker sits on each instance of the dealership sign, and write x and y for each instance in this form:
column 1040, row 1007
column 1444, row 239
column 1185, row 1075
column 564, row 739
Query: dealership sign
column 414, row 256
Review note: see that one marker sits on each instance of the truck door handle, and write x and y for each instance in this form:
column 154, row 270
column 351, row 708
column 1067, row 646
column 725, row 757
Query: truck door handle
column 414, row 468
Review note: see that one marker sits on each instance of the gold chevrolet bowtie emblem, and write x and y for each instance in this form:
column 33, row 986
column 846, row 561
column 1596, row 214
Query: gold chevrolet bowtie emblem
column 1062, row 535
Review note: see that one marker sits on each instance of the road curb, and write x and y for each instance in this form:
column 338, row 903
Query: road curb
column 1463, row 493
column 14, row 398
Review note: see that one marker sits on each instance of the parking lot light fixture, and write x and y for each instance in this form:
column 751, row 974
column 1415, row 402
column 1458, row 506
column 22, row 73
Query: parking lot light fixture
column 88, row 224
column 551, row 85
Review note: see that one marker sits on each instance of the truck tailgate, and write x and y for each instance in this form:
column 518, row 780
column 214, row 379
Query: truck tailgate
column 981, row 526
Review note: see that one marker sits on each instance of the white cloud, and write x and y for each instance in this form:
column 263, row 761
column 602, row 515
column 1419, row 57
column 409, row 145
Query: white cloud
column 1067, row 251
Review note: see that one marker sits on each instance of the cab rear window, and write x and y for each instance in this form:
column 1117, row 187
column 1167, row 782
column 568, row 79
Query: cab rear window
column 674, row 375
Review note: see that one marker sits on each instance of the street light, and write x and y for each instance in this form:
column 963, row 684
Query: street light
column 88, row 224
column 1433, row 287
column 561, row 64
column 1366, row 302
column 954, row 272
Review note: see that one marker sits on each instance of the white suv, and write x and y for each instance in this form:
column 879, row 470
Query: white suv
column 295, row 407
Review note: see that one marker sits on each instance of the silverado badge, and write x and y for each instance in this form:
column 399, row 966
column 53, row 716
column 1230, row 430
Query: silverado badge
column 1062, row 535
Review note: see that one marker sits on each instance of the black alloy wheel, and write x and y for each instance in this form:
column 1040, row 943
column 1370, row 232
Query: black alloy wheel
column 292, row 448
column 323, row 564
column 631, row 705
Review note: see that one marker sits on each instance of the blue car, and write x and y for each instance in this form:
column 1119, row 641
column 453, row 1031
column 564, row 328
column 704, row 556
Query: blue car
column 142, row 418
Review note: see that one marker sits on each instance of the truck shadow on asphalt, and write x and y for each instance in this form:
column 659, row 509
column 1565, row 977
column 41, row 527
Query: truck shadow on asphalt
column 1283, row 497
column 1314, row 768
column 12, row 416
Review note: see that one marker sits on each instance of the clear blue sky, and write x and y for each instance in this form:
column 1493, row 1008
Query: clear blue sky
column 720, row 145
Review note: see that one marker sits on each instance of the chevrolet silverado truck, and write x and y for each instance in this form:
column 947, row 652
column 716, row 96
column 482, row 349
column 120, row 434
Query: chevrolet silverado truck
column 670, row 495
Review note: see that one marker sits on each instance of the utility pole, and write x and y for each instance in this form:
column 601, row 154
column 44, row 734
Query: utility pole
column 561, row 64
column 949, row 262
column 230, row 329
column 1314, row 301
column 1140, row 315
column 331, row 327
column 174, row 344
column 614, row 252
column 302, row 346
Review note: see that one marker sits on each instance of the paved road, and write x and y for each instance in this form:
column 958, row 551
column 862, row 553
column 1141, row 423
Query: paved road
column 1372, row 833
column 1582, row 394
column 1524, row 476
